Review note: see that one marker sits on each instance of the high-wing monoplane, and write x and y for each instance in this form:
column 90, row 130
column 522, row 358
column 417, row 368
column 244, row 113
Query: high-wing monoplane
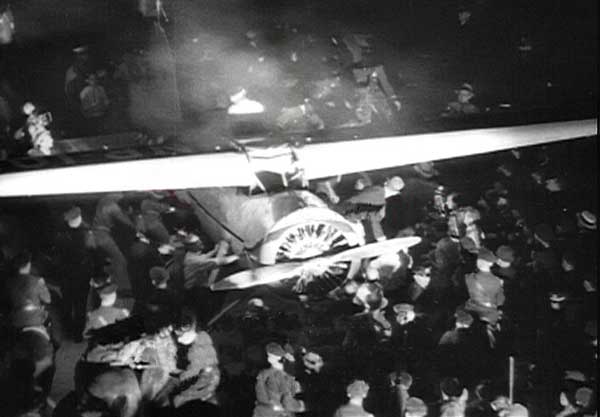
column 289, row 235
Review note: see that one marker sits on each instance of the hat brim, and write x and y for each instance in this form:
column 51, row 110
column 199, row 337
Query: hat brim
column 399, row 310
column 585, row 224
column 427, row 174
column 458, row 90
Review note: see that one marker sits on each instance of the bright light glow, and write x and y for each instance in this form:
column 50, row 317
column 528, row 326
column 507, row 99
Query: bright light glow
column 246, row 106
column 229, row 169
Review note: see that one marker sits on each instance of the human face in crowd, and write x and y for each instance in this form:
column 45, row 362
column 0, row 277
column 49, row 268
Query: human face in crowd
column 359, row 185
column 109, row 299
column 275, row 361
column 563, row 400
column 405, row 317
column 423, row 278
column 553, row 185
column 75, row 223
column 483, row 265
column 450, row 202
column 464, row 96
column 537, row 178
column 187, row 337
column 463, row 17
column 25, row 269
column 566, row 266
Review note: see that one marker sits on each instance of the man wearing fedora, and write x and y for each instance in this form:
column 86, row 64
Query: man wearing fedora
column 462, row 106
column 586, row 221
column 426, row 170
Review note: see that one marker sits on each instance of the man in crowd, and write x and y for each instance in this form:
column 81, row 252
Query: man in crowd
column 75, row 267
column 411, row 340
column 485, row 288
column 112, row 225
column 199, row 374
column 357, row 391
column 371, row 206
column 107, row 313
column 28, row 294
column 276, row 390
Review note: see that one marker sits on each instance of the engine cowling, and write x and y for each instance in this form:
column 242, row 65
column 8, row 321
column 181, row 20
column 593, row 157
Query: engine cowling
column 307, row 233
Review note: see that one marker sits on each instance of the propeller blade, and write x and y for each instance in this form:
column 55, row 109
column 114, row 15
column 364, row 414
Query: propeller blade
column 278, row 272
column 373, row 250
column 259, row 276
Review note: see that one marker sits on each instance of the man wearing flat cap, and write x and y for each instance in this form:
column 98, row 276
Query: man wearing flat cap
column 276, row 390
column 485, row 289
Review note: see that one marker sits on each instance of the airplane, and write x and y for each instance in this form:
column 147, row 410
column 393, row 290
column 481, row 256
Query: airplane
column 289, row 236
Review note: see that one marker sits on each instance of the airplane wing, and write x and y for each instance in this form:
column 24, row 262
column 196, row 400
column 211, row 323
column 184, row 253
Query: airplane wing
column 319, row 160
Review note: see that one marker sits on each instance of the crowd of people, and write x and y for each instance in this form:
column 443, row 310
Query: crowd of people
column 305, row 79
column 493, row 313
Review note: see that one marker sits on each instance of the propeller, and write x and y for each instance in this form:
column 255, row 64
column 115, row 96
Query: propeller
column 278, row 272
column 373, row 250
column 258, row 276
